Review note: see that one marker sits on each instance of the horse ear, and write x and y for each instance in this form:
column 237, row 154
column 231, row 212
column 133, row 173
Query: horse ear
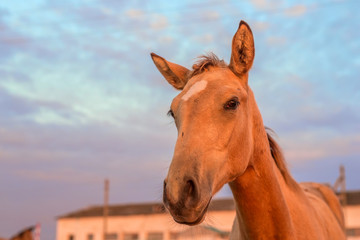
column 243, row 50
column 175, row 74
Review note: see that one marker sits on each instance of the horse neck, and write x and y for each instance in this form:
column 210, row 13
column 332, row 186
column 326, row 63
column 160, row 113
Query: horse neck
column 259, row 193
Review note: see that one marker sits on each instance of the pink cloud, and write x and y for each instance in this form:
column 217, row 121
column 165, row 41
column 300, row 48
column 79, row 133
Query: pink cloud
column 302, row 147
column 296, row 11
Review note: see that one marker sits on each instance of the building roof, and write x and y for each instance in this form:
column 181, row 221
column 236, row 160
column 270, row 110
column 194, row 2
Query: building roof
column 352, row 198
column 142, row 209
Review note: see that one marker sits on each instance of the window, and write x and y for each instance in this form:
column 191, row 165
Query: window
column 111, row 236
column 131, row 236
column 353, row 232
column 90, row 236
column 155, row 236
column 71, row 237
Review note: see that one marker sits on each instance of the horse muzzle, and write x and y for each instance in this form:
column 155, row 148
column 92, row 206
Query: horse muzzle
column 186, row 202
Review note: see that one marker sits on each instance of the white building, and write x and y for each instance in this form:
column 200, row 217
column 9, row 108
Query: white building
column 149, row 221
column 352, row 215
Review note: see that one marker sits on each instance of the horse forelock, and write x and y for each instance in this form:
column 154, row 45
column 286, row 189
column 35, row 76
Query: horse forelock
column 206, row 61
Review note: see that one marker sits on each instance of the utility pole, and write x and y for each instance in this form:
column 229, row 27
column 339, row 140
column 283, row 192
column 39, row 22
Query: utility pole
column 106, row 207
column 341, row 182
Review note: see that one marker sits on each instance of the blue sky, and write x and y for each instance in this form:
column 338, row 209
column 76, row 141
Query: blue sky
column 81, row 100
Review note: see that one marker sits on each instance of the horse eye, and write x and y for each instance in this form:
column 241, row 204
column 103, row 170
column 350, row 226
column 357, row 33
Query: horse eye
column 232, row 104
column 171, row 113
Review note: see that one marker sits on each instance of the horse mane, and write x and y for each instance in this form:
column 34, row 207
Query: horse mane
column 206, row 61
column 279, row 158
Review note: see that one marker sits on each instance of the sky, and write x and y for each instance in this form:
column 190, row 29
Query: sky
column 81, row 101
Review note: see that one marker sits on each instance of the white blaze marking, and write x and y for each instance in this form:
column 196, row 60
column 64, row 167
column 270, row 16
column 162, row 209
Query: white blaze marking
column 196, row 88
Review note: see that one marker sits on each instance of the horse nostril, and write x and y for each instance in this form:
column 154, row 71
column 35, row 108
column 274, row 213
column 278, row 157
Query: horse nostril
column 191, row 188
column 165, row 197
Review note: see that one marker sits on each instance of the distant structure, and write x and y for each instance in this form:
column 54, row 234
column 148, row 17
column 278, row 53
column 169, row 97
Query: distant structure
column 147, row 221
column 352, row 214
column 150, row 221
column 350, row 202
column 106, row 208
column 341, row 183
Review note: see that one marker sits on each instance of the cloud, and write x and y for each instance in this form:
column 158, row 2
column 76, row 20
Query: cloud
column 211, row 15
column 340, row 117
column 260, row 26
column 304, row 146
column 12, row 106
column 107, row 11
column 19, row 108
column 206, row 38
column 166, row 39
column 135, row 14
column 65, row 175
column 11, row 41
column 276, row 41
column 159, row 22
column 260, row 3
column 296, row 11
column 266, row 4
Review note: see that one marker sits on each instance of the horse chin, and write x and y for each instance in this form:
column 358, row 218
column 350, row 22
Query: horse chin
column 198, row 220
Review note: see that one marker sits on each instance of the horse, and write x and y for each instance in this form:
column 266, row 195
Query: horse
column 222, row 140
column 26, row 234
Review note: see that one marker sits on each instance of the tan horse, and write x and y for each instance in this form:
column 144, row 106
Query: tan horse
column 222, row 139
column 26, row 234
